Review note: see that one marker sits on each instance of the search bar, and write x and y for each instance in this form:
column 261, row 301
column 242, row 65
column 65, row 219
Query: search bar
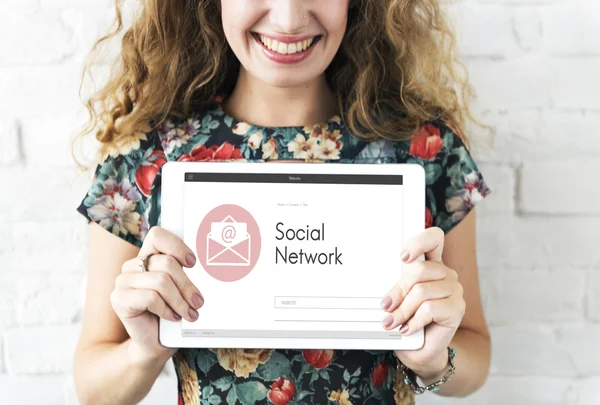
column 327, row 302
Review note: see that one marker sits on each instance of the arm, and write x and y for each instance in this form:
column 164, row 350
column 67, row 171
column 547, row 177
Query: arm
column 472, row 339
column 107, row 368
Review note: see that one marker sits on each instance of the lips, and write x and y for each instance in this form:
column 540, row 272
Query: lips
column 286, row 45
column 287, row 58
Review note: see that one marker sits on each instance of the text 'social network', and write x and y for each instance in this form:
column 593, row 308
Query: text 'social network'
column 285, row 255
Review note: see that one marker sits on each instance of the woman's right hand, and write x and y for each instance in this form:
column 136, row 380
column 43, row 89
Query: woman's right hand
column 165, row 291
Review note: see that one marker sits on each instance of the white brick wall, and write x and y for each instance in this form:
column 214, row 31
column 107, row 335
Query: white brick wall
column 535, row 65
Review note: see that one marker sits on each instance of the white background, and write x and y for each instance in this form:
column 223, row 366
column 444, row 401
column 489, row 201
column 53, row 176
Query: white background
column 535, row 65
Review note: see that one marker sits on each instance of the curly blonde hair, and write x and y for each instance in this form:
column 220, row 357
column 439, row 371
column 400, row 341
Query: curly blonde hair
column 390, row 75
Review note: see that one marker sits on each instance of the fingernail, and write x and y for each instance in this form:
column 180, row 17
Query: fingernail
column 197, row 300
column 404, row 329
column 386, row 303
column 193, row 314
column 404, row 255
column 176, row 316
column 191, row 259
column 388, row 321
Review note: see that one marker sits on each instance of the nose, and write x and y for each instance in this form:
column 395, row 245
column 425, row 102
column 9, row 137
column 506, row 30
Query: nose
column 289, row 16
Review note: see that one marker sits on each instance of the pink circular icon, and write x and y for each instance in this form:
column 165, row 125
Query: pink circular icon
column 228, row 242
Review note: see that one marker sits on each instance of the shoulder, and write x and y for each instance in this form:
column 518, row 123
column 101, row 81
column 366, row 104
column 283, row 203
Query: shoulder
column 454, row 182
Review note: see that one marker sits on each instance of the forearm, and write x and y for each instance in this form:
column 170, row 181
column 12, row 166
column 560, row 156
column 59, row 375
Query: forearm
column 472, row 363
column 114, row 374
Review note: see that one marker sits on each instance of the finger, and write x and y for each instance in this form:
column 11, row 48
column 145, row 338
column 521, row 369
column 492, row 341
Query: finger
column 417, row 295
column 168, row 264
column 429, row 242
column 162, row 283
column 413, row 273
column 129, row 303
column 443, row 312
column 159, row 240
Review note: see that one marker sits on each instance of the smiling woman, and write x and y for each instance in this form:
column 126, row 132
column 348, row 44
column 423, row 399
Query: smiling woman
column 350, row 81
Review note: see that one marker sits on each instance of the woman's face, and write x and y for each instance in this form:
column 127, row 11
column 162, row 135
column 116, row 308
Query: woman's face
column 284, row 42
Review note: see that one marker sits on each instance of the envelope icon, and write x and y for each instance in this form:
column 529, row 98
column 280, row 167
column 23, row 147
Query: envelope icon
column 228, row 243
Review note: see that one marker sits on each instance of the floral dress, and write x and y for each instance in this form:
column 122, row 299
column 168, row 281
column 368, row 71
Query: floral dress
column 124, row 198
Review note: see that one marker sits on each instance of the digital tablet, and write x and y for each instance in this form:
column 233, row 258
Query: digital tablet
column 292, row 255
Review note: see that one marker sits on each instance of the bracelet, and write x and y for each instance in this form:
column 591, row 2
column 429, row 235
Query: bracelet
column 410, row 378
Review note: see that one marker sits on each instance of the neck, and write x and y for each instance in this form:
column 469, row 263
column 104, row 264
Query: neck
column 258, row 103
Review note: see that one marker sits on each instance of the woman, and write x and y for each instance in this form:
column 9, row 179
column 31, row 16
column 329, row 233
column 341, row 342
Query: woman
column 279, row 80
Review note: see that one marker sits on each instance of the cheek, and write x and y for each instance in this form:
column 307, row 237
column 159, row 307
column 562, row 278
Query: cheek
column 333, row 16
column 237, row 16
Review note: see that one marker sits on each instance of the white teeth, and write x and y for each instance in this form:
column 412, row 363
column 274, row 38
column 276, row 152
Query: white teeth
column 283, row 48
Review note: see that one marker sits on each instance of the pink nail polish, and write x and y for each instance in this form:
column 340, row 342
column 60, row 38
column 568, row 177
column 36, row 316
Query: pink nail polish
column 388, row 321
column 191, row 259
column 197, row 300
column 404, row 329
column 404, row 255
column 386, row 303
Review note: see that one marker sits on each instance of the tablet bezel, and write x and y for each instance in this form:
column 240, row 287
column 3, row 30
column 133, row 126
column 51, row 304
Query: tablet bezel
column 172, row 184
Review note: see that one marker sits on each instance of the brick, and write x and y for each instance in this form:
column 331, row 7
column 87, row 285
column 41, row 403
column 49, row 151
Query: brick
column 549, row 187
column 538, row 242
column 501, row 179
column 587, row 392
column 44, row 198
column 49, row 246
column 527, row 26
column 522, row 296
column 10, row 153
column 52, row 88
column 45, row 299
column 593, row 296
column 41, row 350
column 572, row 85
column 31, row 390
column 531, row 135
column 90, row 24
column 538, row 390
column 8, row 298
column 572, row 28
column 47, row 39
column 510, row 84
column 470, row 20
column 581, row 342
column 539, row 344
column 54, row 148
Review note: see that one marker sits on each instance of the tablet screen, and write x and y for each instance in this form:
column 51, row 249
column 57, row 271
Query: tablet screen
column 288, row 256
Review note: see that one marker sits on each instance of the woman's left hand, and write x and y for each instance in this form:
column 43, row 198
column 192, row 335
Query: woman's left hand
column 427, row 295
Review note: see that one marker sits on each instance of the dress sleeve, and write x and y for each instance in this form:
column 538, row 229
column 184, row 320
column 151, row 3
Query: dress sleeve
column 454, row 184
column 124, row 197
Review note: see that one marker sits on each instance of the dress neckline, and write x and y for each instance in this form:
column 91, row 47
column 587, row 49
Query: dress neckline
column 335, row 121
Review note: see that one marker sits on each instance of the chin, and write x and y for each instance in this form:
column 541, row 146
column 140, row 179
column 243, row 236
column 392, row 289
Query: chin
column 286, row 79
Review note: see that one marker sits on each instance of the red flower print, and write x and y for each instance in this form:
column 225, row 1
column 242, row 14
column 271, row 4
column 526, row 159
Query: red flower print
column 146, row 173
column 428, row 218
column 379, row 374
column 203, row 154
column 318, row 358
column 179, row 399
column 427, row 143
column 282, row 391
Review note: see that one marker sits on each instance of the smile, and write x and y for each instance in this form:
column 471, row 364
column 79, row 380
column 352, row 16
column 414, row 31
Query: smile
column 286, row 47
